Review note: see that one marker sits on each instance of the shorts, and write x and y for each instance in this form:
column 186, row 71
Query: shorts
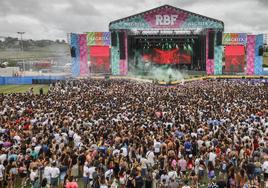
column 54, row 181
column 143, row 172
column 201, row 173
column 62, row 176
column 251, row 176
column 48, row 180
column 86, row 180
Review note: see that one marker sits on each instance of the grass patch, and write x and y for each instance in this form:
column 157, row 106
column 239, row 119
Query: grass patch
column 8, row 89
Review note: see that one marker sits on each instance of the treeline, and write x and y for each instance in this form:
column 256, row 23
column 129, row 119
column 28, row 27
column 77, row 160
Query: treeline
column 15, row 43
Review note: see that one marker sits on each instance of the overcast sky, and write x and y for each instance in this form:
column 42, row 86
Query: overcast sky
column 52, row 19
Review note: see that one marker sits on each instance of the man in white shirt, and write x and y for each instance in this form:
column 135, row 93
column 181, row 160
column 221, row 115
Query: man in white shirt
column 54, row 174
column 265, row 170
column 85, row 174
column 108, row 174
column 157, row 147
column 34, row 175
column 91, row 170
column 2, row 169
column 3, row 157
column 46, row 174
column 212, row 157
column 150, row 157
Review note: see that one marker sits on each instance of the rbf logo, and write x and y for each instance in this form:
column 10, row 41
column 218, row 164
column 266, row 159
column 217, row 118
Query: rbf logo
column 165, row 19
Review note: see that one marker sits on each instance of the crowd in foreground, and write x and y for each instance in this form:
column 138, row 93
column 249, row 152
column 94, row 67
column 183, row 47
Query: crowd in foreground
column 127, row 134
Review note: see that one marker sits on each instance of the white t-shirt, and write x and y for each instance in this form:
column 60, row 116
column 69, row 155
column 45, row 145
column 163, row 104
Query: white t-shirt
column 211, row 157
column 2, row 168
column 265, row 167
column 47, row 170
column 108, row 173
column 200, row 142
column 3, row 157
column 91, row 170
column 116, row 151
column 150, row 157
column 54, row 172
column 172, row 175
column 124, row 151
column 157, row 147
column 85, row 171
column 166, row 177
column 144, row 163
column 33, row 175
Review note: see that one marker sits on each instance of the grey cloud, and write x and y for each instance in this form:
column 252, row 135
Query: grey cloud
column 53, row 19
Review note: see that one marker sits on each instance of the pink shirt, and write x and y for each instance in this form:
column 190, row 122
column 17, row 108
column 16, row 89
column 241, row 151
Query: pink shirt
column 182, row 164
column 71, row 185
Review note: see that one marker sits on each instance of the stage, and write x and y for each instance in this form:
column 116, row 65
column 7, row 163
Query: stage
column 166, row 41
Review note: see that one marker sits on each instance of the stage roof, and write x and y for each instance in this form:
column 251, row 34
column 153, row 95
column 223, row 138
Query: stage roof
column 164, row 18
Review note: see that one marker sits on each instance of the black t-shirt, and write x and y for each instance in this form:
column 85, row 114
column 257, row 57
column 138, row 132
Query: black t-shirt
column 139, row 182
column 221, row 184
column 148, row 183
column 82, row 159
column 250, row 168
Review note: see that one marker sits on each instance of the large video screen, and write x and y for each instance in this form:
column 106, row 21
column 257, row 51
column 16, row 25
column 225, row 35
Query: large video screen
column 234, row 58
column 167, row 57
column 99, row 59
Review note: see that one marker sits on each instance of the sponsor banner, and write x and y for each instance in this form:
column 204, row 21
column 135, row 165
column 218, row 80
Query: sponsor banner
column 167, row 17
column 234, row 39
column 99, row 38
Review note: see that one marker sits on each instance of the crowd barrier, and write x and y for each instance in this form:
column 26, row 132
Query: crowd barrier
column 30, row 80
column 265, row 78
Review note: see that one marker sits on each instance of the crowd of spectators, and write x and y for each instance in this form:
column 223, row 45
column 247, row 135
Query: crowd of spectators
column 126, row 134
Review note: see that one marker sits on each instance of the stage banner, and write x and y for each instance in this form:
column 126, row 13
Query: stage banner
column 258, row 65
column 234, row 59
column 99, row 38
column 166, row 17
column 250, row 54
column 234, row 39
column 218, row 60
column 75, row 67
column 84, row 71
column 209, row 62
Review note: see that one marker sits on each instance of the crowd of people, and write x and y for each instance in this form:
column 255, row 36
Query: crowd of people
column 126, row 134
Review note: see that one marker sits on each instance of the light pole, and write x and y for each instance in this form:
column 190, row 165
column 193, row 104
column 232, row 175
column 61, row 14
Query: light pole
column 21, row 44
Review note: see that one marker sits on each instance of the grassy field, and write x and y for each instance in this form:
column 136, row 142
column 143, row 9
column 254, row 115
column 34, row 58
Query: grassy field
column 8, row 89
column 56, row 50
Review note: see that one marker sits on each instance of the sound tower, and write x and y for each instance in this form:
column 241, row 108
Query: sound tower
column 219, row 38
column 122, row 45
column 211, row 36
column 114, row 38
column 73, row 53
